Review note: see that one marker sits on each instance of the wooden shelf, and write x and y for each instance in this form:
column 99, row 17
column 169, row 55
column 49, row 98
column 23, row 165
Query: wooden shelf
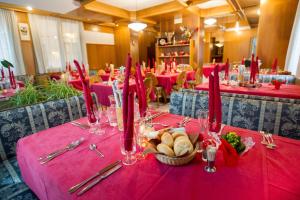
column 175, row 45
column 186, row 56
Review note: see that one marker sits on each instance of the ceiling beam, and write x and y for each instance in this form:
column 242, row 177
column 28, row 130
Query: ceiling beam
column 160, row 9
column 238, row 9
column 216, row 11
column 99, row 7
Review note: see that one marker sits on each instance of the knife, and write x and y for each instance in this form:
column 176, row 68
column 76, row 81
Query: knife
column 105, row 169
column 83, row 126
column 105, row 175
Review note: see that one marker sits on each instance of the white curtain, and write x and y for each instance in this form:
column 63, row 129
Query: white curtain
column 293, row 55
column 56, row 41
column 10, row 47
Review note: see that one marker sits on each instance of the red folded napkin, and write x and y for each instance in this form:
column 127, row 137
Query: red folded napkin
column 252, row 70
column 141, row 91
column 2, row 73
column 11, row 81
column 227, row 69
column 274, row 66
column 128, row 108
column 83, row 70
column 231, row 157
column 243, row 61
column 215, row 105
column 87, row 94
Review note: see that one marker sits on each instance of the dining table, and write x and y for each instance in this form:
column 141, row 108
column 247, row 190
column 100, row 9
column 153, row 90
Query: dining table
column 76, row 83
column 261, row 173
column 103, row 90
column 168, row 80
column 266, row 89
column 207, row 69
column 6, row 94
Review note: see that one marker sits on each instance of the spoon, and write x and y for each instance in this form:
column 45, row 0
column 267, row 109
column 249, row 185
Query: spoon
column 93, row 147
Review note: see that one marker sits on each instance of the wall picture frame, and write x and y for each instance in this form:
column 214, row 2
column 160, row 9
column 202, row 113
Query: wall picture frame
column 24, row 31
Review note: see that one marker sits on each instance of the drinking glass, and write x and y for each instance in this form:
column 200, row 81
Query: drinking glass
column 111, row 112
column 95, row 127
column 211, row 157
column 203, row 121
column 140, row 128
column 129, row 155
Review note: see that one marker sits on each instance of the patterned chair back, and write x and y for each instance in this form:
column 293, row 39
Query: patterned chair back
column 20, row 122
column 267, row 78
column 280, row 117
column 153, row 78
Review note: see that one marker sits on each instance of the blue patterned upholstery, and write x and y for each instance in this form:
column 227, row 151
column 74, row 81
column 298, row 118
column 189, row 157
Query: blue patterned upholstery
column 267, row 78
column 275, row 115
column 20, row 122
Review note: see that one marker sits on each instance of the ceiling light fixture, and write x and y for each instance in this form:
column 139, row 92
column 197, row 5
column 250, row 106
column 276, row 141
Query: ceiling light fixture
column 137, row 26
column 263, row 1
column 258, row 12
column 210, row 21
column 29, row 8
column 237, row 27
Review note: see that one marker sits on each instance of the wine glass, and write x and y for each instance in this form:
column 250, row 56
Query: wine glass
column 95, row 128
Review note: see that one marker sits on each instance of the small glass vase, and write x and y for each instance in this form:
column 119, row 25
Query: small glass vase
column 129, row 157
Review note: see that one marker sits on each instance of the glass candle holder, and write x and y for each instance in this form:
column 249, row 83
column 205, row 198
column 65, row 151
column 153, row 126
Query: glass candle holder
column 211, row 157
column 129, row 157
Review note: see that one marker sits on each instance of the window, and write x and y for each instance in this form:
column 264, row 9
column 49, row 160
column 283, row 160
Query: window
column 10, row 48
column 56, row 41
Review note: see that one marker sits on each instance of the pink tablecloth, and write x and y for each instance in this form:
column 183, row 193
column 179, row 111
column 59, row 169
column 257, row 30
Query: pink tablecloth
column 168, row 80
column 262, row 173
column 103, row 90
column 77, row 83
column 7, row 94
column 104, row 77
column 286, row 91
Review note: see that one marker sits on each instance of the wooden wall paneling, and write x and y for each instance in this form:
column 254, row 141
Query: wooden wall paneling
column 99, row 55
column 27, row 46
column 146, row 41
column 122, row 44
column 274, row 30
column 237, row 45
column 134, row 47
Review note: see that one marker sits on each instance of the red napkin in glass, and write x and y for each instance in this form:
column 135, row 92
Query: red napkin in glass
column 231, row 157
column 2, row 73
column 128, row 108
column 215, row 106
column 13, row 80
column 252, row 70
column 243, row 61
column 83, row 70
column 274, row 66
column 227, row 69
column 87, row 94
column 141, row 91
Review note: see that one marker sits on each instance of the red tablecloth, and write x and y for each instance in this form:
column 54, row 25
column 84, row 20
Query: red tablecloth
column 168, row 80
column 77, row 83
column 103, row 90
column 104, row 77
column 262, row 173
column 285, row 91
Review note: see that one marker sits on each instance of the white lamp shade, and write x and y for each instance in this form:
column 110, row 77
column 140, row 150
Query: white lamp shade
column 137, row 26
column 210, row 21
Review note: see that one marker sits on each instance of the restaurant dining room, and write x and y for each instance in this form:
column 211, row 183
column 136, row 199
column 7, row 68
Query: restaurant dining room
column 149, row 99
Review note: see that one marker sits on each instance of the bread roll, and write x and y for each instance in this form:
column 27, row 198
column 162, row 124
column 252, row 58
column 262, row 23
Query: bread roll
column 167, row 139
column 165, row 149
column 182, row 146
column 178, row 134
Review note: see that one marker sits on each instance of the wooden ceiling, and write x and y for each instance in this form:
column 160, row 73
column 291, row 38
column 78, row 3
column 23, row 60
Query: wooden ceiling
column 97, row 12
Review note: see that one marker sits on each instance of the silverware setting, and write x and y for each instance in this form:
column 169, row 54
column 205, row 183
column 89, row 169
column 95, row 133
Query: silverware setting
column 93, row 147
column 267, row 140
column 80, row 125
column 157, row 123
column 102, row 174
column 154, row 116
column 52, row 155
column 184, row 122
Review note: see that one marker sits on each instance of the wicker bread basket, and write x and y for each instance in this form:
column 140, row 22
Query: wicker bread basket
column 177, row 160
